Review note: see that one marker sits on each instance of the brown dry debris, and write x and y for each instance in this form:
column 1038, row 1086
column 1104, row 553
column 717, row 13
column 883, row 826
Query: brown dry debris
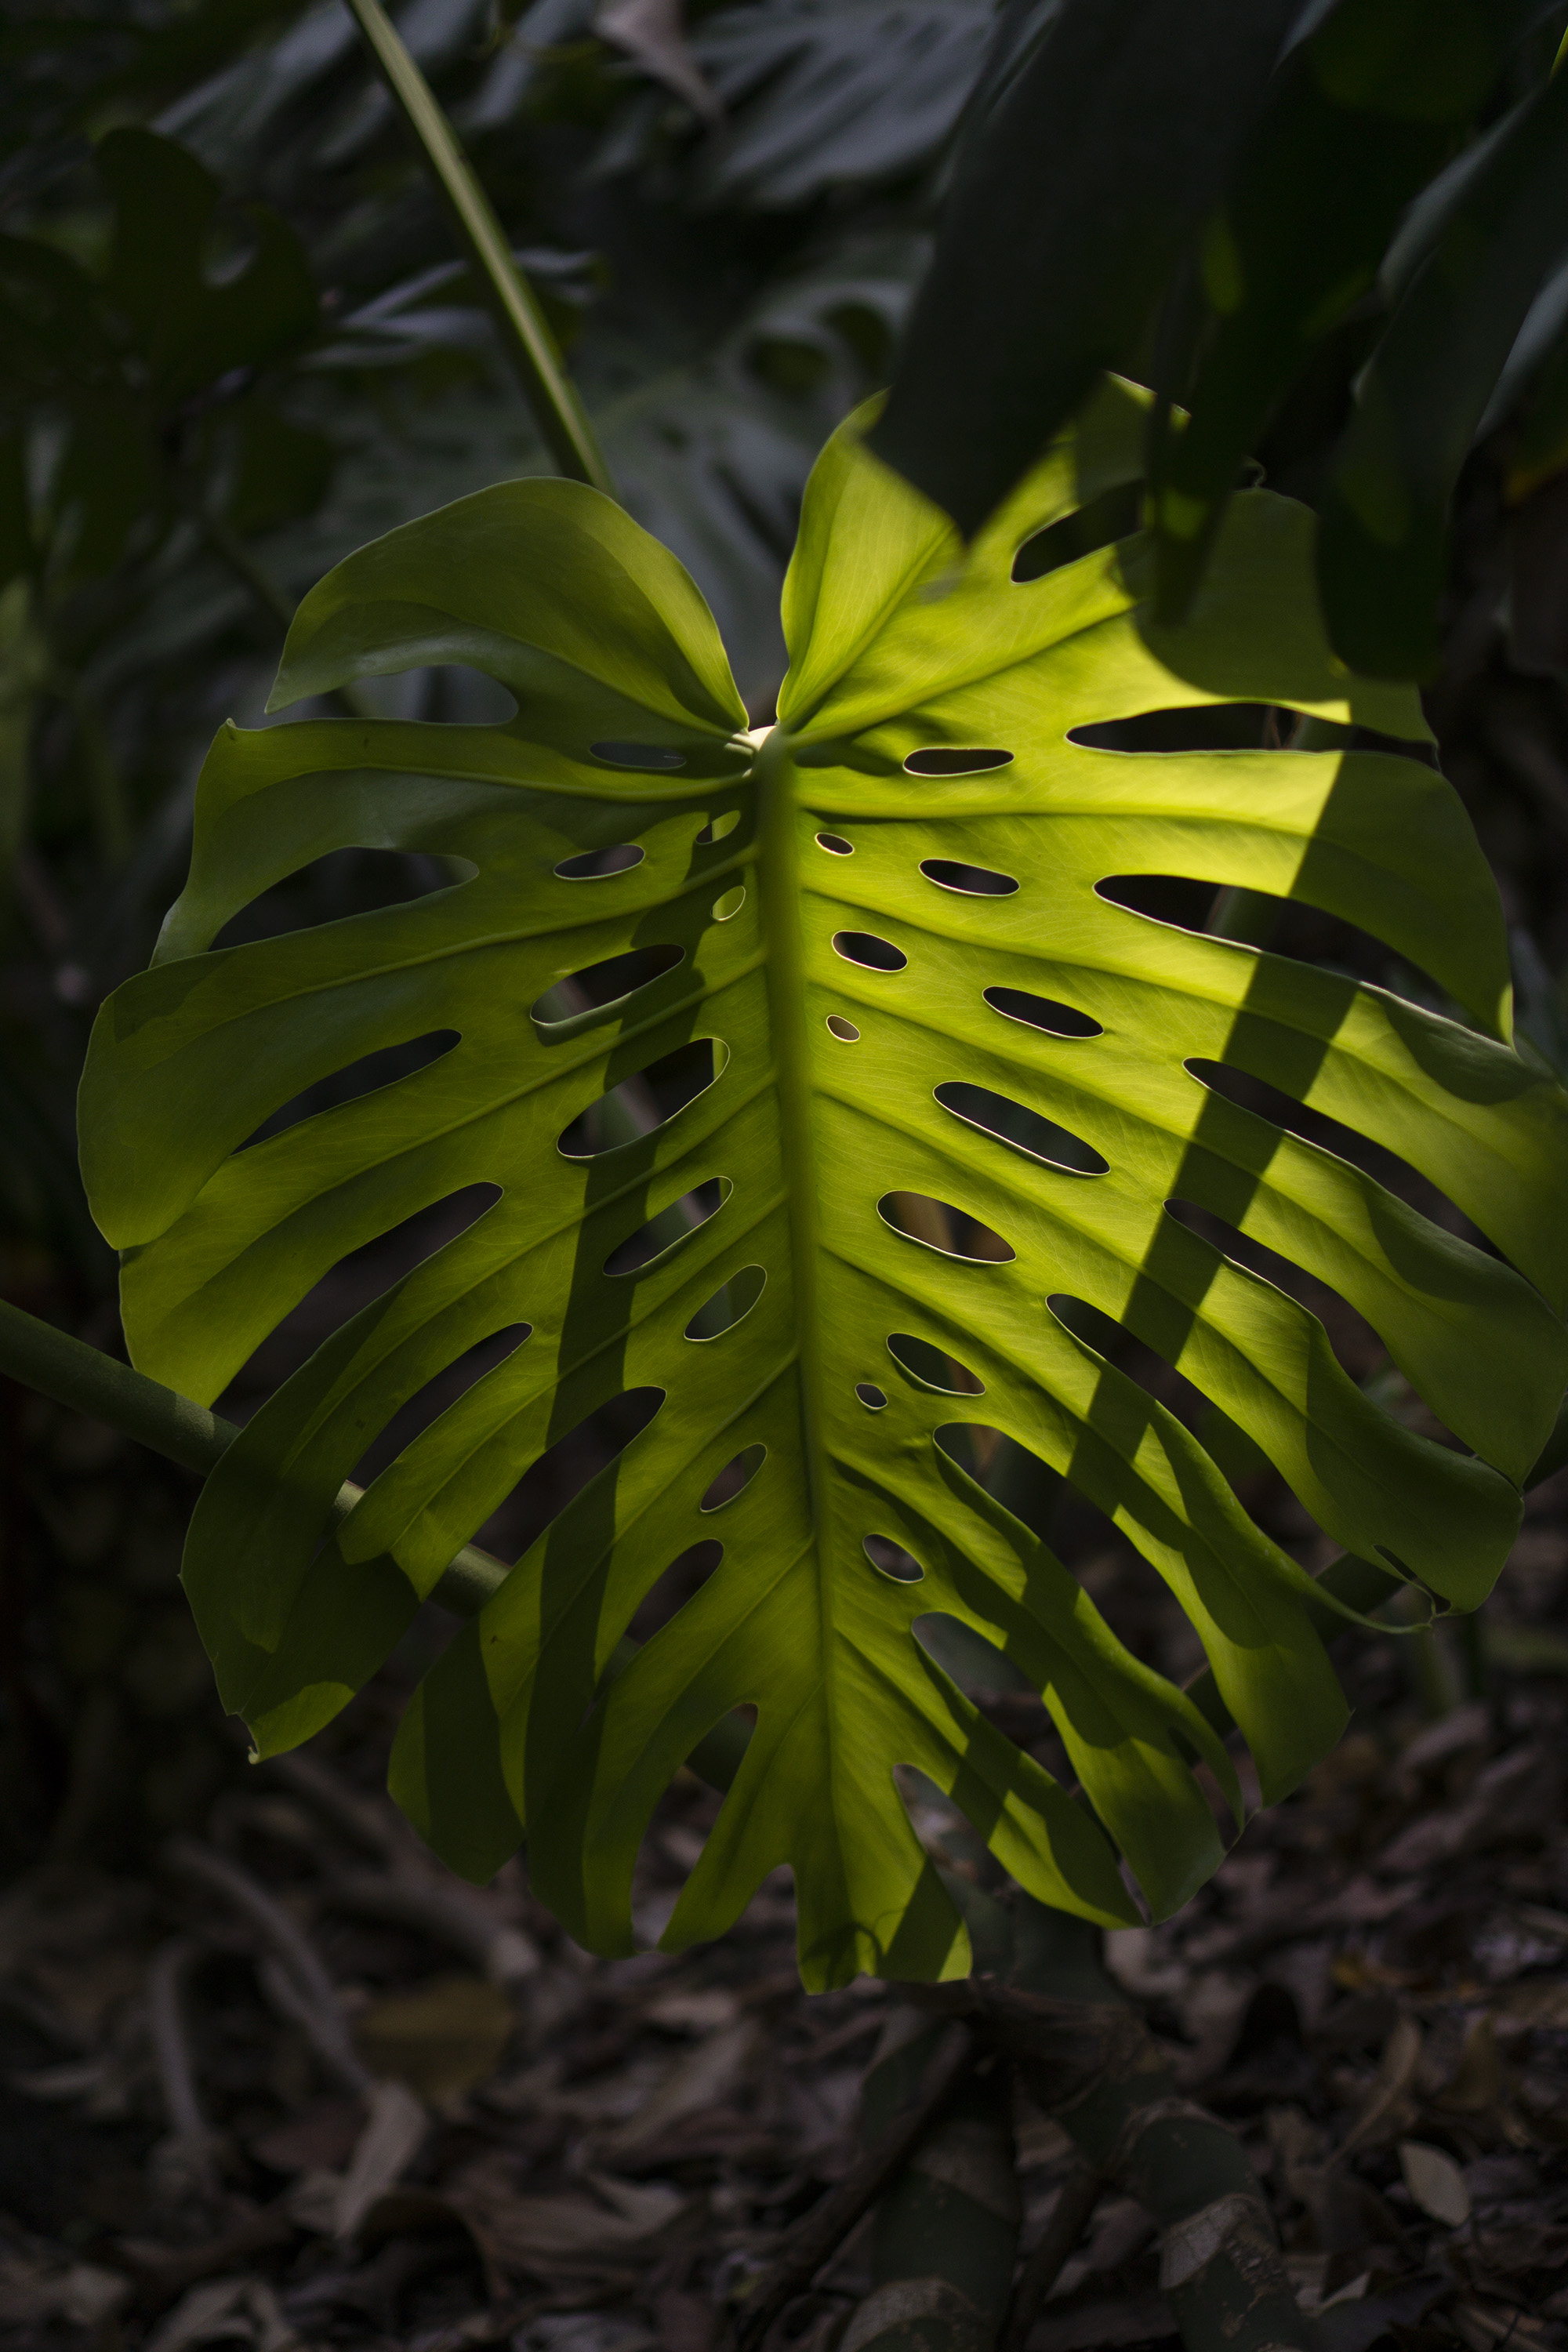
column 294, row 2087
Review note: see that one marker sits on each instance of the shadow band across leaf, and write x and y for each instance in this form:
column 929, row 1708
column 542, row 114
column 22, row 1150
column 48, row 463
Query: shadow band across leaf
column 878, row 1153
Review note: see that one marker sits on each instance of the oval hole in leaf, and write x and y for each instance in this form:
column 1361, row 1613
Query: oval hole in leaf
column 949, row 760
column 835, row 844
column 1287, row 1111
column 730, row 904
column 717, row 828
column 652, row 1242
column 344, row 882
column 1114, row 514
column 1017, row 1478
column 892, row 1559
column 642, row 1104
column 734, row 1478
column 971, row 881
column 871, row 1395
column 1043, row 1012
column 597, row 865
column 1196, row 727
column 681, row 1582
column 368, row 1075
column 1024, row 1130
column 845, row 1031
column 437, row 1396
column 599, row 985
column 732, row 1301
column 1356, row 1344
column 932, row 1368
column 652, row 757
column 558, row 1476
column 941, row 1227
column 370, row 1272
column 865, row 949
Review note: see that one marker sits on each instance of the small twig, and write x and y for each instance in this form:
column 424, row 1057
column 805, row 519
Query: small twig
column 1069, row 2217
column 823, row 2229
column 324, row 2031
column 449, row 1914
column 171, row 2045
column 368, row 1824
column 298, row 1983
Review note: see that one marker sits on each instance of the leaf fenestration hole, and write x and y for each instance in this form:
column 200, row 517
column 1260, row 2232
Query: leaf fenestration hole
column 437, row 1396
column 932, row 1369
column 342, row 882
column 734, row 1478
column 717, row 828
column 370, row 1272
column 681, row 1582
column 1024, row 1130
column 871, row 1395
column 940, row 1227
column 949, row 760
column 1315, row 1126
column 1357, row 1346
column 845, row 1031
column 599, row 864
column 644, row 1103
column 730, row 1303
column 1186, row 727
column 730, row 904
column 969, row 881
column 865, row 949
column 653, row 758
column 600, row 985
column 384, row 1068
column 1114, row 514
column 652, row 1242
column 892, row 1559
column 557, row 1476
column 1043, row 1012
column 835, row 844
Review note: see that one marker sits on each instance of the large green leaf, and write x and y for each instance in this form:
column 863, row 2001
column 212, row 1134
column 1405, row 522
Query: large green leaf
column 867, row 1175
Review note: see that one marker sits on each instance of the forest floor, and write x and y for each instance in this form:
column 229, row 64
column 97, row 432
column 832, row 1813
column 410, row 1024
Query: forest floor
column 285, row 2083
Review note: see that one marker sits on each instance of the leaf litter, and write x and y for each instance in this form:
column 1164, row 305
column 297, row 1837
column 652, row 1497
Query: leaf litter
column 290, row 2085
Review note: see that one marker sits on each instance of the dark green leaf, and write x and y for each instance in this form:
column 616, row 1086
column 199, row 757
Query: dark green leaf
column 1071, row 195
column 190, row 329
column 1384, row 506
column 1361, row 115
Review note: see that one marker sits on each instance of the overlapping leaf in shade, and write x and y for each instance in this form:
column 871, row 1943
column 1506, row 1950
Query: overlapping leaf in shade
column 1362, row 116
column 827, row 1103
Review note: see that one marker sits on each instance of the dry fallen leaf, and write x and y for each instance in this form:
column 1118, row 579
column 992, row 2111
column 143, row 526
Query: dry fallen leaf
column 440, row 2041
column 1435, row 2182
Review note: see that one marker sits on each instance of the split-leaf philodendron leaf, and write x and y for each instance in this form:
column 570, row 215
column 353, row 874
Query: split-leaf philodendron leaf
column 885, row 1201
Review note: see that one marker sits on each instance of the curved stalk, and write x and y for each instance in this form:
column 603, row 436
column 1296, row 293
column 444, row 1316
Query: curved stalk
column 529, row 346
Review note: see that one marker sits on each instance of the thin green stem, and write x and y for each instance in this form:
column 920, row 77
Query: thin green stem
column 525, row 331
column 84, row 1379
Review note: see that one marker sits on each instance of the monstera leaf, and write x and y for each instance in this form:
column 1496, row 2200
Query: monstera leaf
column 834, row 1111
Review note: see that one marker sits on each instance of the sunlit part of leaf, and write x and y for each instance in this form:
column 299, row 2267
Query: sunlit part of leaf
column 817, row 1224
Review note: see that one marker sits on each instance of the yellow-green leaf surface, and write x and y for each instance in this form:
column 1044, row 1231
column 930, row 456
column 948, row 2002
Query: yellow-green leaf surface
column 893, row 1213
